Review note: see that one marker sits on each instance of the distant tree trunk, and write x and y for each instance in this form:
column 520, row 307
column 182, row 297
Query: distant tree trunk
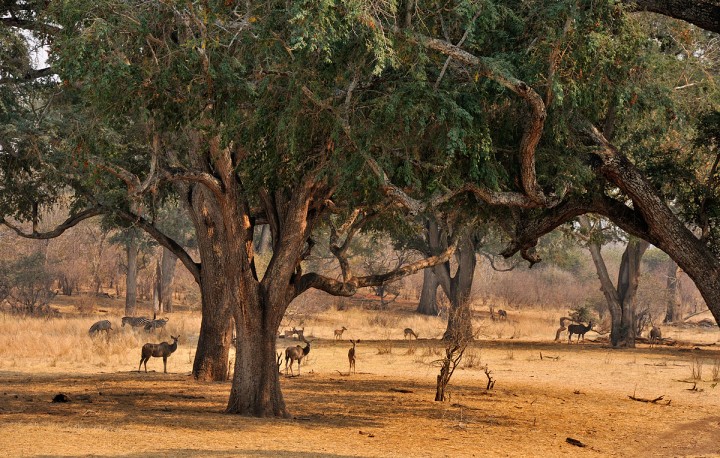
column 620, row 299
column 672, row 299
column 132, row 248
column 169, row 262
column 263, row 239
column 457, row 288
column 428, row 297
column 96, row 263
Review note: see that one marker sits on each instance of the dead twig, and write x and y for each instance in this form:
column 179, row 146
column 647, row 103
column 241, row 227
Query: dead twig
column 574, row 442
column 651, row 401
column 400, row 390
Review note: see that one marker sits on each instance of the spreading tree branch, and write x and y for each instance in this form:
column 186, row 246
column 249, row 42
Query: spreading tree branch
column 137, row 220
column 71, row 221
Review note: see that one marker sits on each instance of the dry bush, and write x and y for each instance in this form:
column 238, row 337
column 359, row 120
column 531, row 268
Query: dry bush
column 85, row 305
column 716, row 370
column 471, row 360
column 696, row 367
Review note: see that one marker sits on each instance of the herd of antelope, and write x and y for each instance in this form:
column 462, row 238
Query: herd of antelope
column 296, row 353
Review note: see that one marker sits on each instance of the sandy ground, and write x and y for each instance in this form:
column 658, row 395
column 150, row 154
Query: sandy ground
column 575, row 391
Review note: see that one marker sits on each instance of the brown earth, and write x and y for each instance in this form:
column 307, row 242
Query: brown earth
column 535, row 406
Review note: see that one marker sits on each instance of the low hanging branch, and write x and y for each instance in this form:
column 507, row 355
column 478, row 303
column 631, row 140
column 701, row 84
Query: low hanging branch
column 71, row 221
column 350, row 285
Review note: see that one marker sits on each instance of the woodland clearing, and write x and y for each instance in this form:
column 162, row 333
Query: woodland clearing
column 577, row 391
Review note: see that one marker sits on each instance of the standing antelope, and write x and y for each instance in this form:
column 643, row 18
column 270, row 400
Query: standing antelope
column 351, row 356
column 296, row 353
column 655, row 335
column 339, row 332
column 502, row 314
column 409, row 333
column 157, row 350
column 578, row 329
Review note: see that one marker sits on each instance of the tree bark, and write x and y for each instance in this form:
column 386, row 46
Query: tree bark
column 220, row 247
column 704, row 14
column 168, row 264
column 428, row 296
column 256, row 391
column 132, row 249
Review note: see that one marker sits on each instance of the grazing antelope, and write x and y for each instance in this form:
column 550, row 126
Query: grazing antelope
column 339, row 332
column 409, row 333
column 578, row 329
column 157, row 350
column 296, row 353
column 351, row 356
column 655, row 335
column 502, row 314
column 101, row 326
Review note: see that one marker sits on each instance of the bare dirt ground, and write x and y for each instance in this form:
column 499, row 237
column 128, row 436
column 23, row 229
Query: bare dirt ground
column 575, row 391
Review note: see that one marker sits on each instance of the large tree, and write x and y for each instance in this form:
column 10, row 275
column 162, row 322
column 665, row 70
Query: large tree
column 269, row 113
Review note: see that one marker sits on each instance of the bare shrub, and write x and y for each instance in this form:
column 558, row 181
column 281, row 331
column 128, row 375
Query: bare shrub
column 380, row 320
column 697, row 366
column 471, row 360
column 716, row 370
column 85, row 305
column 30, row 293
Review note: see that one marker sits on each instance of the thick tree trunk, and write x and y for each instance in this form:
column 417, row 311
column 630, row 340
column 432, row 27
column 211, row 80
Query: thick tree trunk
column 256, row 384
column 169, row 261
column 673, row 304
column 213, row 347
column 221, row 247
column 132, row 248
column 428, row 296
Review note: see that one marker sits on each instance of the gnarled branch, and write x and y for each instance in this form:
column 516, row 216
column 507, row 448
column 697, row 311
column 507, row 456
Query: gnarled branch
column 71, row 221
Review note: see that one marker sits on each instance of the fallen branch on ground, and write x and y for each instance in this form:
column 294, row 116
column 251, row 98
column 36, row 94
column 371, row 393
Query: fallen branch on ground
column 651, row 401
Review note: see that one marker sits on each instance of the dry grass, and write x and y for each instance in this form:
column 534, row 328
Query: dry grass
column 581, row 392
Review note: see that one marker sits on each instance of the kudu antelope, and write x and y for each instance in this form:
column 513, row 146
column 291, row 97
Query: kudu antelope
column 655, row 335
column 409, row 334
column 339, row 332
column 351, row 356
column 296, row 353
column 578, row 329
column 157, row 350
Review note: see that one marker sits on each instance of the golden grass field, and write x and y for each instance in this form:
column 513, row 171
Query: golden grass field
column 575, row 391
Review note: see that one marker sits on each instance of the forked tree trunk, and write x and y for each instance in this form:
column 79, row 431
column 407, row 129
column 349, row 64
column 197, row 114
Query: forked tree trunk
column 620, row 299
column 428, row 296
column 132, row 248
column 169, row 261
